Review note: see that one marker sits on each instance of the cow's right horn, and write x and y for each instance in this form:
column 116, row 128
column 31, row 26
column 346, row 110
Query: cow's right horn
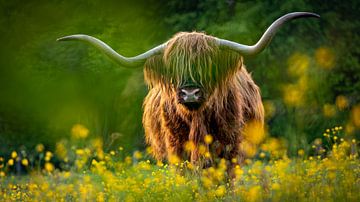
column 103, row 47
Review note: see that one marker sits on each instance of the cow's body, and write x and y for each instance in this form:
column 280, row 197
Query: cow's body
column 168, row 126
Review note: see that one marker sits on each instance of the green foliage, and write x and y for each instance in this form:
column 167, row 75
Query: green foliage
column 47, row 87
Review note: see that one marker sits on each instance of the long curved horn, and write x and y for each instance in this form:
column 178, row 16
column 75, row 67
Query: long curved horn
column 266, row 37
column 103, row 47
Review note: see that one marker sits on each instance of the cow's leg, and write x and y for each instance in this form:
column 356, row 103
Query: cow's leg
column 176, row 131
column 201, row 155
column 154, row 135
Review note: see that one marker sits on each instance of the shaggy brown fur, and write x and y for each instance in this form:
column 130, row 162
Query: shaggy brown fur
column 233, row 99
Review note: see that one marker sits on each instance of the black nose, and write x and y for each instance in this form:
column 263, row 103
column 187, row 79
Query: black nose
column 191, row 97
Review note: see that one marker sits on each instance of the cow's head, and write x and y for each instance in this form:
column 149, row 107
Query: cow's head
column 190, row 66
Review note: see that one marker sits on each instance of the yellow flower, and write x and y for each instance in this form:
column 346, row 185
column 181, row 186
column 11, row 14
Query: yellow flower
column 262, row 155
column 94, row 162
column 61, row 150
column 48, row 153
column 174, row 159
column 137, row 155
column 129, row 198
column 293, row 95
column 331, row 175
column 180, row 180
column 44, row 186
column 206, row 182
column 325, row 57
column 318, row 141
column 100, row 197
column 128, row 160
column 87, row 179
column 355, row 115
column 10, row 162
column 255, row 193
column 349, row 128
column 149, row 150
column 329, row 110
column 2, row 174
column 49, row 167
column 269, row 108
column 39, row 148
column 79, row 131
column 189, row 146
column 202, row 149
column 301, row 152
column 14, row 154
column 220, row 191
column 66, row 174
column 248, row 148
column 238, row 171
column 298, row 64
column 25, row 162
column 274, row 144
column 254, row 132
column 275, row 186
column 48, row 156
column 159, row 163
column 79, row 152
column 208, row 139
column 207, row 154
column 190, row 166
column 97, row 143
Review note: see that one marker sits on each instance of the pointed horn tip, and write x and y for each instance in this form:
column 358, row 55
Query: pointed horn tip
column 306, row 14
column 314, row 15
column 65, row 38
column 70, row 37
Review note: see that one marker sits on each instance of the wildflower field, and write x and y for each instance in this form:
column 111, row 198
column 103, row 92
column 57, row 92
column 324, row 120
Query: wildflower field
column 71, row 120
column 330, row 171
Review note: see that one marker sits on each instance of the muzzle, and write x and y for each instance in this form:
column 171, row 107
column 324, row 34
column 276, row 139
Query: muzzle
column 191, row 97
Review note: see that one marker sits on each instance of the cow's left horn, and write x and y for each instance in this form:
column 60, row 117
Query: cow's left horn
column 103, row 47
column 266, row 37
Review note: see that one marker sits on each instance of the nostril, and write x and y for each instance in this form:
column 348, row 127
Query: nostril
column 198, row 93
column 188, row 93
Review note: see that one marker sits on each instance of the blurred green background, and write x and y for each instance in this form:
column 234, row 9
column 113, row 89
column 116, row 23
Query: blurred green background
column 309, row 75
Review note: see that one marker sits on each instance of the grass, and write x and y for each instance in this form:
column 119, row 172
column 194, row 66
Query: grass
column 330, row 173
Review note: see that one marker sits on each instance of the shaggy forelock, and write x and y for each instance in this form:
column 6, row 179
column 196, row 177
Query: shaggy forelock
column 192, row 57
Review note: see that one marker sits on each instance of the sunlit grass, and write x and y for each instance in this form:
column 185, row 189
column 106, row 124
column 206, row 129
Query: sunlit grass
column 330, row 171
